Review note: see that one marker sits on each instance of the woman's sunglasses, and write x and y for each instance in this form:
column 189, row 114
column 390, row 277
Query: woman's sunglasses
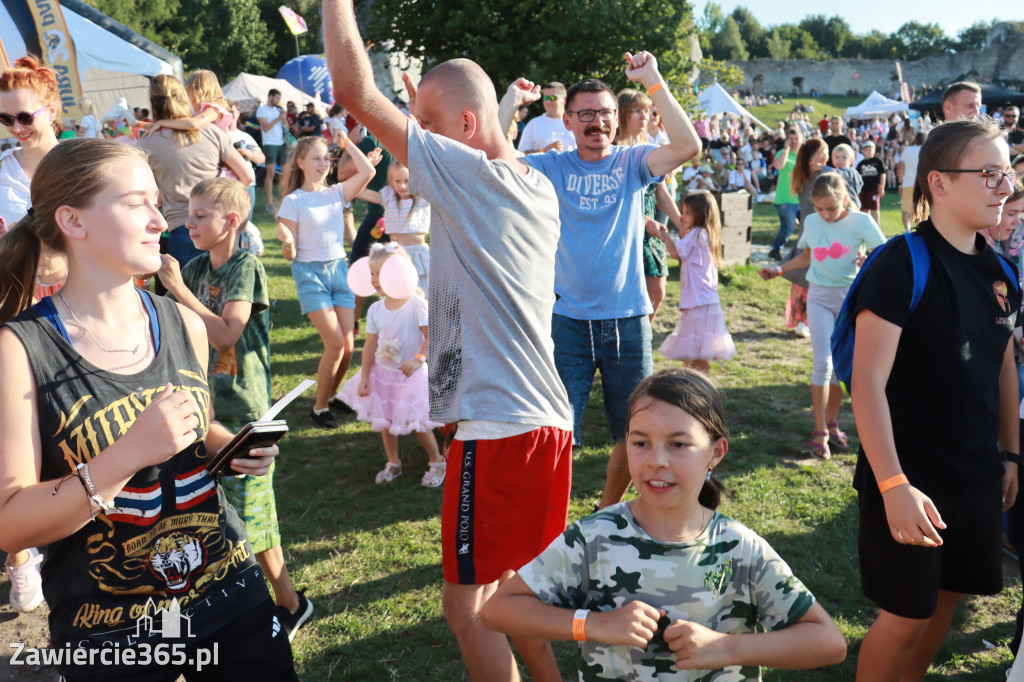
column 22, row 117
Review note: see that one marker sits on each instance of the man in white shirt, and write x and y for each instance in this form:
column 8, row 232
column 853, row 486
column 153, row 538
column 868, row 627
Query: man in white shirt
column 271, row 119
column 548, row 132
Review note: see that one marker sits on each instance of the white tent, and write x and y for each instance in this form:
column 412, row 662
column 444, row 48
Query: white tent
column 250, row 91
column 876, row 104
column 715, row 100
column 109, row 65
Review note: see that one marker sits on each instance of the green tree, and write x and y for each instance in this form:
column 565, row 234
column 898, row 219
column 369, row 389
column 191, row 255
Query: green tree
column 801, row 43
column 973, row 37
column 919, row 40
column 778, row 47
column 873, row 45
column 536, row 38
column 755, row 36
column 225, row 36
column 729, row 42
column 831, row 34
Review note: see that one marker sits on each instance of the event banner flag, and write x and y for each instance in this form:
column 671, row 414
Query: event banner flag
column 59, row 53
column 295, row 23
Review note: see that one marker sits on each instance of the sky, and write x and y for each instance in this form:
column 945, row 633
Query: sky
column 864, row 15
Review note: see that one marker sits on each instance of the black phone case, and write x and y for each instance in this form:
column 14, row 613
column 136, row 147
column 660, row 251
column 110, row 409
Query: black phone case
column 252, row 435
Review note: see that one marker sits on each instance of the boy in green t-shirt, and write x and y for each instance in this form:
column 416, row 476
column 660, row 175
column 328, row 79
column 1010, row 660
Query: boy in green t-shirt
column 227, row 287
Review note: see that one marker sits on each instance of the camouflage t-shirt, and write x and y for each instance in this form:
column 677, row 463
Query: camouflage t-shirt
column 729, row 579
column 240, row 376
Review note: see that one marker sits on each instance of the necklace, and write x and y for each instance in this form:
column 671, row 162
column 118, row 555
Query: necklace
column 700, row 531
column 93, row 336
column 145, row 354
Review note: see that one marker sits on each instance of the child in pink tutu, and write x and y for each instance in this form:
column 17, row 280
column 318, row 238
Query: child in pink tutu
column 390, row 393
column 700, row 335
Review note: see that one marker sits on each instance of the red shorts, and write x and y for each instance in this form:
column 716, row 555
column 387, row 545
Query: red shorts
column 505, row 501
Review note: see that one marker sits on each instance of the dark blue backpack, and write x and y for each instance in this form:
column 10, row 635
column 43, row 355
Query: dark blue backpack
column 844, row 333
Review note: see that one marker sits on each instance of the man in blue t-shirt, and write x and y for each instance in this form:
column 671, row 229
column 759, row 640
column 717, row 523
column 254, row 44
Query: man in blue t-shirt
column 601, row 319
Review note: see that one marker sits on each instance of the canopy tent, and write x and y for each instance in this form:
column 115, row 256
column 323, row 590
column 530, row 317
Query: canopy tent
column 876, row 104
column 250, row 91
column 715, row 100
column 113, row 61
column 992, row 96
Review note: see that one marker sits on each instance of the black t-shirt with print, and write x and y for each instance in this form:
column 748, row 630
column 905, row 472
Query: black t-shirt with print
column 871, row 171
column 172, row 534
column 943, row 390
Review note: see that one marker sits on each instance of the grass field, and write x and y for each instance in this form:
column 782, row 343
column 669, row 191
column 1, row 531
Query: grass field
column 828, row 105
column 370, row 554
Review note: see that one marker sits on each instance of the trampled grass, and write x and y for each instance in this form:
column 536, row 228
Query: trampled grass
column 826, row 105
column 370, row 554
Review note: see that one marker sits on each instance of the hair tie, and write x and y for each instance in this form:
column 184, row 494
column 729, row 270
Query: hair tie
column 391, row 247
column 31, row 213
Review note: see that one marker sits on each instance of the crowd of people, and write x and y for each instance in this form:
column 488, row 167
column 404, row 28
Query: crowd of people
column 135, row 309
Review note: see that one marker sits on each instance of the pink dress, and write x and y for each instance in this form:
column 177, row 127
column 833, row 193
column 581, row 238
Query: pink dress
column 700, row 333
column 396, row 402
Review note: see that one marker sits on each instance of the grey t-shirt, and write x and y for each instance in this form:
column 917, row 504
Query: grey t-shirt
column 493, row 236
column 178, row 169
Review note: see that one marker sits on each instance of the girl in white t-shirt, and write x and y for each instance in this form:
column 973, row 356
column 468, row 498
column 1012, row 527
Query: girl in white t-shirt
column 406, row 219
column 835, row 240
column 313, row 232
column 390, row 393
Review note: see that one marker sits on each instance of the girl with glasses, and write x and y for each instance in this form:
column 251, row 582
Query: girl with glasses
column 934, row 394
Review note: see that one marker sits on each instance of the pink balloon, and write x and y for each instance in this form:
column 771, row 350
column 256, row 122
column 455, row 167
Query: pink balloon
column 398, row 277
column 360, row 280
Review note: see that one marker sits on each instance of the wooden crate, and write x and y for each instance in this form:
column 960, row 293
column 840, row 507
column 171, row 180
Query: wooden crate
column 737, row 213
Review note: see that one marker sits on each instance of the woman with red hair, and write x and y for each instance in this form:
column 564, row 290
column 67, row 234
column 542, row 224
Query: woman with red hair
column 29, row 109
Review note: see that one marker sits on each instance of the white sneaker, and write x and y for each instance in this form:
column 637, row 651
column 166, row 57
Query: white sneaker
column 802, row 330
column 26, row 583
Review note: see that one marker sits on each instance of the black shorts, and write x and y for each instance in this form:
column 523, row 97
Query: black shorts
column 905, row 579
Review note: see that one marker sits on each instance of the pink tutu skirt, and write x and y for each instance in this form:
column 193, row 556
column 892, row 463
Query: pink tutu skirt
column 396, row 402
column 700, row 335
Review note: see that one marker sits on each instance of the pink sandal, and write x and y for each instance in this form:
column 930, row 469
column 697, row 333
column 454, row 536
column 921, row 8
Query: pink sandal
column 817, row 448
column 836, row 437
column 390, row 472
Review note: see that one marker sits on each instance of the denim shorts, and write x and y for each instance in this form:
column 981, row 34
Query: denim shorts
column 620, row 348
column 322, row 284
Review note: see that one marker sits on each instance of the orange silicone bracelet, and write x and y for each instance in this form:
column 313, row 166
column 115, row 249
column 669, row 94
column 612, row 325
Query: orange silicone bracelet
column 579, row 624
column 890, row 483
column 654, row 88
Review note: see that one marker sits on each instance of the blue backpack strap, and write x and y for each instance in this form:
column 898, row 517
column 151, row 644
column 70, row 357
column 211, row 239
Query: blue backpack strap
column 1010, row 274
column 920, row 263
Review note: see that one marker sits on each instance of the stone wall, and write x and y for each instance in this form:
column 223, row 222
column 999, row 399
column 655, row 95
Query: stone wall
column 1002, row 60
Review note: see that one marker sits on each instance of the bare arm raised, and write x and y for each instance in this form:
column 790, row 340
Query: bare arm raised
column 354, row 87
column 683, row 143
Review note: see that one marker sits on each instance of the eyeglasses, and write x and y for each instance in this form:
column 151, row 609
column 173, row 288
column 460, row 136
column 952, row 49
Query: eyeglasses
column 22, row 117
column 587, row 115
column 550, row 98
column 993, row 176
column 640, row 112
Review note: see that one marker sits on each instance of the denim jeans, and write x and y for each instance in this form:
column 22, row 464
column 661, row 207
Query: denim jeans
column 179, row 245
column 620, row 348
column 787, row 223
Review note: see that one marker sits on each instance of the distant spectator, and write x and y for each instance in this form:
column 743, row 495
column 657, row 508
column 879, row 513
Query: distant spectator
column 548, row 132
column 872, row 172
column 309, row 122
column 836, row 136
column 961, row 100
column 1014, row 133
column 89, row 126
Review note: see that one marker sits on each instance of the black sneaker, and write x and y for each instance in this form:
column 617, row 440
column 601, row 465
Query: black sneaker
column 324, row 420
column 774, row 254
column 340, row 405
column 291, row 622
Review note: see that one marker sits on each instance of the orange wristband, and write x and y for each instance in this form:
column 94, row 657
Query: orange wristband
column 892, row 482
column 654, row 88
column 344, row 143
column 579, row 624
column 421, row 357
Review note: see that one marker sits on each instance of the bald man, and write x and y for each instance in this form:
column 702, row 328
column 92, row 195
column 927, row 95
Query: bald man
column 494, row 233
column 961, row 100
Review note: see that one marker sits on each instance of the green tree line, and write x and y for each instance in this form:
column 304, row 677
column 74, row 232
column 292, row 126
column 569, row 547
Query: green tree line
column 739, row 35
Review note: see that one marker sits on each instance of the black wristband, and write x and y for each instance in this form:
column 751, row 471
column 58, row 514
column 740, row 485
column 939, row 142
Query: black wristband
column 1011, row 457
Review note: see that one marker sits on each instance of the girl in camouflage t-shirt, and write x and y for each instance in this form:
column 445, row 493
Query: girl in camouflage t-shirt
column 663, row 586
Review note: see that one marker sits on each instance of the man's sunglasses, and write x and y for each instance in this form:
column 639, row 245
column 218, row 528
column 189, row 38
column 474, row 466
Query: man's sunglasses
column 22, row 117
column 550, row 98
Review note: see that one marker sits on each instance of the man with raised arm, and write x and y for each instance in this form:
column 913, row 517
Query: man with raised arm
column 494, row 231
column 601, row 319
